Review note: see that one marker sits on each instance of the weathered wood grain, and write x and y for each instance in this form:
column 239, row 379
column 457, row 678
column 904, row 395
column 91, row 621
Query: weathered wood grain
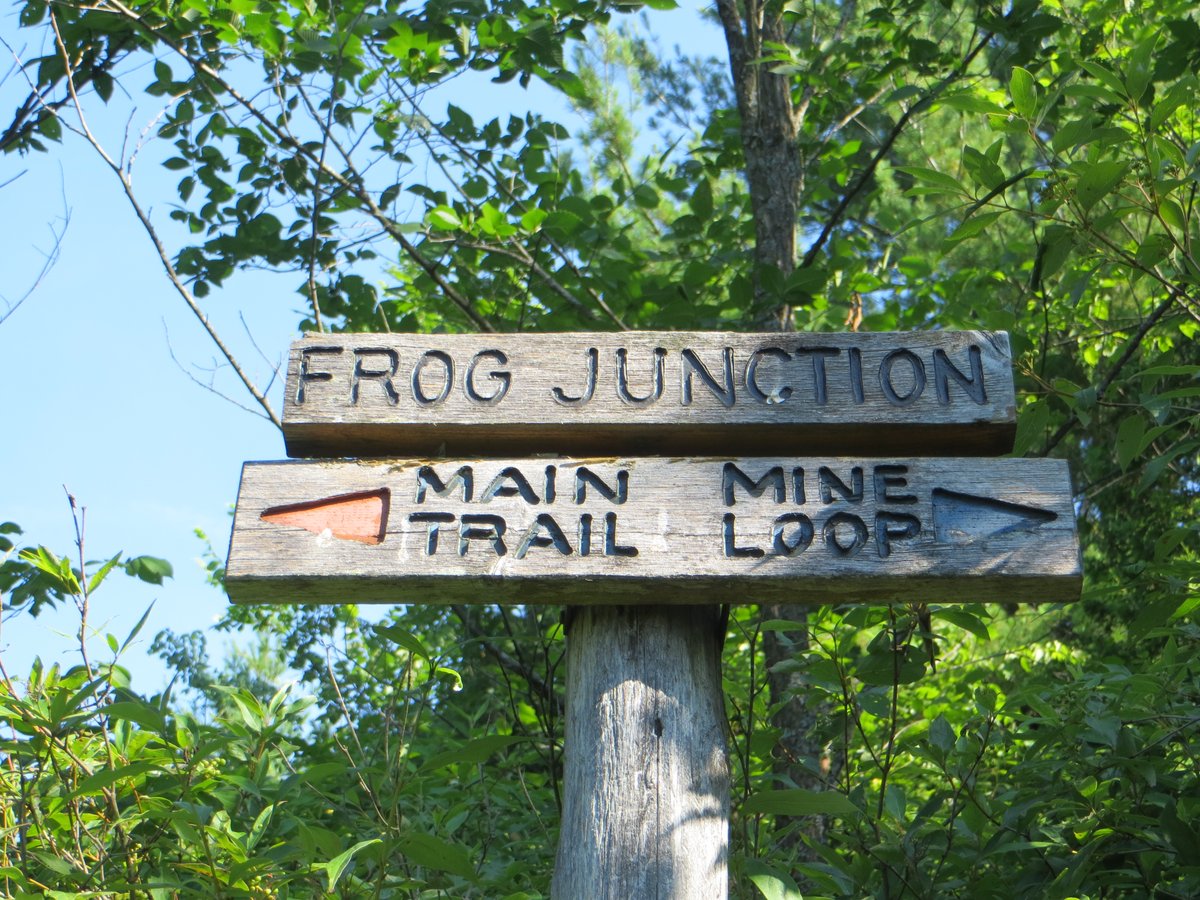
column 930, row 393
column 645, row 777
column 654, row 530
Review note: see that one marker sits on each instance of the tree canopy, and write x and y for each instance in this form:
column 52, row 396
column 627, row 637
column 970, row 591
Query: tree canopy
column 880, row 165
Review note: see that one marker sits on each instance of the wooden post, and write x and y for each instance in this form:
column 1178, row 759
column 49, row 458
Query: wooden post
column 646, row 782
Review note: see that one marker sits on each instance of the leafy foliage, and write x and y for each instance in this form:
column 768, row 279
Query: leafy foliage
column 1030, row 167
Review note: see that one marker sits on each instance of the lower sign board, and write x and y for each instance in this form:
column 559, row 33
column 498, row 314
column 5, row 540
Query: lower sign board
column 629, row 530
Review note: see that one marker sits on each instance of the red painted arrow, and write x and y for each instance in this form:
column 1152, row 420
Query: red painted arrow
column 348, row 517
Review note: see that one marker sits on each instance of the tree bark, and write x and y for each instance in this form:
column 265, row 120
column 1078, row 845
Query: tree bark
column 769, row 136
column 646, row 776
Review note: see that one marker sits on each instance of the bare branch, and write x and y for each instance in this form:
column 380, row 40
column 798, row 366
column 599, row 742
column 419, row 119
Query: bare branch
column 152, row 233
column 48, row 262
column 209, row 385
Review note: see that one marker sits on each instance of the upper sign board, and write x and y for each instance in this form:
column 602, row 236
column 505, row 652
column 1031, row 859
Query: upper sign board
column 929, row 393
column 629, row 530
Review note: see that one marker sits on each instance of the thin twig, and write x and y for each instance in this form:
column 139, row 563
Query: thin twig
column 147, row 225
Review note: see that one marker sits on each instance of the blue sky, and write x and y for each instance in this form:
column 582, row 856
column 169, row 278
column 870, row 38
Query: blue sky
column 94, row 401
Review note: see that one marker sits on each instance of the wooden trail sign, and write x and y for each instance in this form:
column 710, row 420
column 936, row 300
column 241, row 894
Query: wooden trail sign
column 796, row 503
column 654, row 530
column 649, row 392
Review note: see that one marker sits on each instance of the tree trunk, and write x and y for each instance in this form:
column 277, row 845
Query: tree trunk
column 769, row 138
column 646, row 777
column 775, row 178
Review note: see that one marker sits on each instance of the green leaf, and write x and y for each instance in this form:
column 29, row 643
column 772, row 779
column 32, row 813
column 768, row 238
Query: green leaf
column 533, row 219
column 800, row 802
column 1022, row 89
column 1172, row 214
column 472, row 752
column 982, row 169
column 941, row 735
column 1031, row 426
column 397, row 635
column 149, row 569
column 1110, row 80
column 1129, row 439
column 259, row 828
column 336, row 867
column 106, row 777
column 1162, row 371
column 444, row 218
column 772, row 883
column 971, row 227
column 1098, row 180
column 935, row 178
column 140, row 713
column 965, row 620
column 887, row 666
column 1180, row 833
column 701, row 201
column 136, row 629
column 98, row 578
column 645, row 196
column 494, row 222
column 1180, row 93
column 966, row 101
column 1137, row 74
column 434, row 853
column 807, row 280
column 1154, row 249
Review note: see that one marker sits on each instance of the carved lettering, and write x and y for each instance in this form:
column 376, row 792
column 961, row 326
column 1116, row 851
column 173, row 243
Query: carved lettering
column 837, row 539
column 818, row 355
column 306, row 372
column 553, row 536
column 427, row 477
column 589, row 387
column 660, row 356
column 732, row 550
column 798, row 540
column 436, row 357
column 585, row 477
column 778, row 394
column 888, row 476
column 611, row 547
column 503, row 379
column 361, row 371
column 477, row 527
column 732, row 476
column 433, row 522
column 856, row 376
column 944, row 370
column 690, row 364
column 890, row 526
column 828, row 482
column 585, row 534
column 917, row 377
column 519, row 485
column 798, row 495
